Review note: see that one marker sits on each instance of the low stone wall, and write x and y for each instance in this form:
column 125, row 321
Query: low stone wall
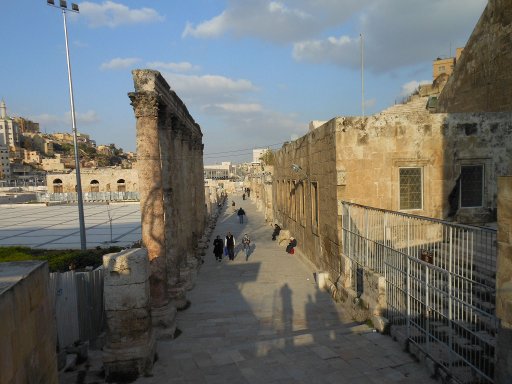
column 28, row 330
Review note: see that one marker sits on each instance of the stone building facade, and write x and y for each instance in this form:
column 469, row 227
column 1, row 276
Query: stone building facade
column 403, row 159
column 108, row 179
column 172, row 193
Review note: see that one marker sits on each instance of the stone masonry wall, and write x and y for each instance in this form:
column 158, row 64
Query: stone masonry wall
column 482, row 79
column 28, row 330
column 107, row 178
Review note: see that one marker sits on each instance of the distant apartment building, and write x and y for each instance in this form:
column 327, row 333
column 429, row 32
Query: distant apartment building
column 26, row 126
column 257, row 153
column 31, row 157
column 37, row 142
column 63, row 137
column 9, row 136
column 5, row 168
column 104, row 150
column 52, row 164
column 222, row 171
column 440, row 66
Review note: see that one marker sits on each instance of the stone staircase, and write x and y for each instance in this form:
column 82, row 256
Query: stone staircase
column 416, row 105
column 472, row 331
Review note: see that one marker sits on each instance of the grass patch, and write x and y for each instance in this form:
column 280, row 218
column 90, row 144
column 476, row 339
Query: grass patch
column 58, row 260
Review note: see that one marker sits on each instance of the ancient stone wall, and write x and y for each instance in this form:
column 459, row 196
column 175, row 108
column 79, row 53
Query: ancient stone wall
column 28, row 338
column 109, row 180
column 504, row 281
column 482, row 79
column 170, row 167
column 359, row 160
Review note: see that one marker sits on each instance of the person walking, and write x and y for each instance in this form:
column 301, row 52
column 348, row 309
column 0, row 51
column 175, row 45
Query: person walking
column 218, row 248
column 246, row 244
column 229, row 243
column 241, row 214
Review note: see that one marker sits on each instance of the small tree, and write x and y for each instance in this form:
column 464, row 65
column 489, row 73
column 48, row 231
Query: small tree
column 268, row 157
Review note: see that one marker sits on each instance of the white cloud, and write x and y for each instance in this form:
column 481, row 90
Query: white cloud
column 119, row 63
column 210, row 28
column 82, row 118
column 111, row 14
column 333, row 49
column 275, row 20
column 397, row 33
column 411, row 86
column 208, row 89
column 175, row 67
column 243, row 108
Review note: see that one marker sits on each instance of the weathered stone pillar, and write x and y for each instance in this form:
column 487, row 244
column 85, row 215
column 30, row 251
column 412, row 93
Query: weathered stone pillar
column 130, row 343
column 504, row 282
column 146, row 108
column 168, row 184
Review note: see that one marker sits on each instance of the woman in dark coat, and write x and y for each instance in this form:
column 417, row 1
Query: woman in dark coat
column 290, row 248
column 218, row 248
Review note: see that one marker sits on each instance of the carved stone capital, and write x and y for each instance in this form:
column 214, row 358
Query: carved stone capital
column 145, row 104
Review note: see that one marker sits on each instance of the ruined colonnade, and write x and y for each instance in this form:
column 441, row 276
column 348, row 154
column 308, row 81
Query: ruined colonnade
column 170, row 166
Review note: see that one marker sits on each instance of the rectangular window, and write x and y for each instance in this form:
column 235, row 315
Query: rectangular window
column 314, row 206
column 471, row 185
column 411, row 188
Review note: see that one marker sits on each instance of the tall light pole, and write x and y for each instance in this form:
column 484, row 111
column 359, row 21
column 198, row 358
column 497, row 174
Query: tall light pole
column 362, row 73
column 74, row 8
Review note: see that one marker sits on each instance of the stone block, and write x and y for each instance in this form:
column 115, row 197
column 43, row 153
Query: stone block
column 124, row 363
column 130, row 324
column 381, row 324
column 322, row 280
column 127, row 296
column 126, row 267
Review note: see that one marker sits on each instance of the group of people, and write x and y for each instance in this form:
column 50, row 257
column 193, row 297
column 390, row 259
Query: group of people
column 227, row 247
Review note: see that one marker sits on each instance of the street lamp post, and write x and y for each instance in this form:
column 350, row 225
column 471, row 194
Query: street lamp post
column 74, row 8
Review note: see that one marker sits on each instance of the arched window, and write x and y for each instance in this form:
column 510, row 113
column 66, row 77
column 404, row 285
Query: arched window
column 121, row 186
column 95, row 186
column 57, row 186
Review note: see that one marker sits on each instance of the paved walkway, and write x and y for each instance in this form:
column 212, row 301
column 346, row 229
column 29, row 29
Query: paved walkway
column 264, row 321
column 56, row 226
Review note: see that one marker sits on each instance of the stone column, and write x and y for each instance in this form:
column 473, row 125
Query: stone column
column 176, row 245
column 130, row 343
column 504, row 282
column 146, row 108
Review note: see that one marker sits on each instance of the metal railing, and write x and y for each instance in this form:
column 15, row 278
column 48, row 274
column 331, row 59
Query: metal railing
column 71, row 197
column 440, row 283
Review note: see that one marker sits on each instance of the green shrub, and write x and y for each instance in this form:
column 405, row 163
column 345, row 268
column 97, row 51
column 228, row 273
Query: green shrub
column 58, row 260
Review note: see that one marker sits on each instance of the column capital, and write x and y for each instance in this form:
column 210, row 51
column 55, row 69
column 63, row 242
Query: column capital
column 145, row 104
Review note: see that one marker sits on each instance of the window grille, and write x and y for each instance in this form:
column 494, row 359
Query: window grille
column 411, row 188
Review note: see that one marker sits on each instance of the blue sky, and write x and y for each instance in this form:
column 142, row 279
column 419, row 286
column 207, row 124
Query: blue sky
column 253, row 73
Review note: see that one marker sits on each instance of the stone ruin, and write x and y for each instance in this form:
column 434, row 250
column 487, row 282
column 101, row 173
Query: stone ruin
column 175, row 230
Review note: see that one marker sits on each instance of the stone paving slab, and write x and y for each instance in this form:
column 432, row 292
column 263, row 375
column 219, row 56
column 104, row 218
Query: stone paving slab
column 56, row 226
column 265, row 321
